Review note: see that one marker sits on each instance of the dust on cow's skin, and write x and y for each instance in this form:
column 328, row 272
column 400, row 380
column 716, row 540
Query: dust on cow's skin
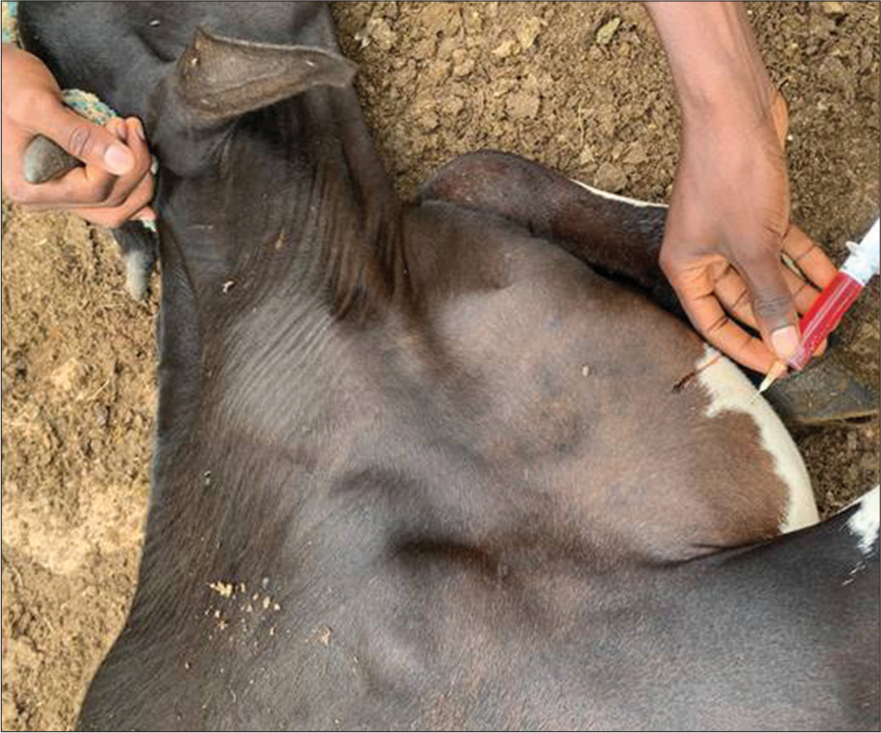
column 324, row 636
column 562, row 83
column 237, row 610
column 224, row 590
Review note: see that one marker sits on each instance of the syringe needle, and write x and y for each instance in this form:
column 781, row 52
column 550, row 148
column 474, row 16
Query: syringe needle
column 774, row 373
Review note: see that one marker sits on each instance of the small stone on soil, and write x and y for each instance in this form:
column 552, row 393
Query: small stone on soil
column 606, row 33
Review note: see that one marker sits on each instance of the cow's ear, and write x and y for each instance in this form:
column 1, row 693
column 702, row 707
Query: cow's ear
column 222, row 78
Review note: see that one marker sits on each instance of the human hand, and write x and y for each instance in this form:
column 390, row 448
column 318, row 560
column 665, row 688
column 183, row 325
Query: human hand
column 726, row 229
column 729, row 215
column 115, row 184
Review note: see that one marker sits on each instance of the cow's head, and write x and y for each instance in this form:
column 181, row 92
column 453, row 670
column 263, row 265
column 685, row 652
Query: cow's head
column 186, row 69
column 251, row 112
column 218, row 80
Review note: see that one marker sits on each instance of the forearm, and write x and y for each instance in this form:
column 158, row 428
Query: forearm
column 715, row 62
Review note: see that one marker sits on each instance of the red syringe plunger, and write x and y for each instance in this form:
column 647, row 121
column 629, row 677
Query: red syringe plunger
column 827, row 311
column 824, row 315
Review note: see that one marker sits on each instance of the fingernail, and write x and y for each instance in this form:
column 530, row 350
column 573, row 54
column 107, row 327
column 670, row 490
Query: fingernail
column 118, row 159
column 785, row 342
column 139, row 129
column 146, row 215
column 120, row 129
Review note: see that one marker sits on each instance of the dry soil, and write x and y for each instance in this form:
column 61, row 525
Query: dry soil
column 582, row 88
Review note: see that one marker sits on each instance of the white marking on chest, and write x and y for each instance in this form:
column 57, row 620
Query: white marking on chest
column 864, row 522
column 730, row 391
column 615, row 197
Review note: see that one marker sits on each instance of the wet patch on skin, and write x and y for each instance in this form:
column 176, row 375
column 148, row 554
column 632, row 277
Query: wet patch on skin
column 730, row 391
column 684, row 382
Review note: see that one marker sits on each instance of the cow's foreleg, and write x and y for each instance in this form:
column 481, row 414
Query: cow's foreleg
column 138, row 246
column 622, row 237
column 618, row 236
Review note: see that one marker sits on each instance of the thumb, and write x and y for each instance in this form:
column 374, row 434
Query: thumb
column 772, row 305
column 90, row 143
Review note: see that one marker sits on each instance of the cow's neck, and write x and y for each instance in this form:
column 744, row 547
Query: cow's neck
column 351, row 237
column 298, row 212
column 301, row 179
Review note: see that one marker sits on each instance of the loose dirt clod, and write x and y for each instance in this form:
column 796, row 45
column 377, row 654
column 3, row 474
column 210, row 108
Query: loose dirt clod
column 225, row 590
column 607, row 32
column 324, row 636
column 834, row 9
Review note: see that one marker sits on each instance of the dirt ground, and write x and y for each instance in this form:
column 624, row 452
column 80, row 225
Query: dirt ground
column 581, row 88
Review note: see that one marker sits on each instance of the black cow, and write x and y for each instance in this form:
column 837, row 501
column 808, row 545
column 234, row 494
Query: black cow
column 420, row 465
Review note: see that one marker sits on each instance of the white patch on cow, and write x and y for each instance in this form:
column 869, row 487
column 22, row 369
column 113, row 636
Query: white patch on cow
column 864, row 522
column 730, row 390
column 622, row 199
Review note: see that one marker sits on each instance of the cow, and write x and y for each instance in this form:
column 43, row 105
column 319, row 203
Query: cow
column 444, row 464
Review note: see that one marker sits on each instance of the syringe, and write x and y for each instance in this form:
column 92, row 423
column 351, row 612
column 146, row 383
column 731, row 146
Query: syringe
column 835, row 300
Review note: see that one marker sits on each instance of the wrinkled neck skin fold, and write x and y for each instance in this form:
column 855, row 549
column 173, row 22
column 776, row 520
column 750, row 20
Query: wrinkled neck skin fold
column 292, row 214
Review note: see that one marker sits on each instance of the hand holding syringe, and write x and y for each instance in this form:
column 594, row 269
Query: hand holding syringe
column 835, row 300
